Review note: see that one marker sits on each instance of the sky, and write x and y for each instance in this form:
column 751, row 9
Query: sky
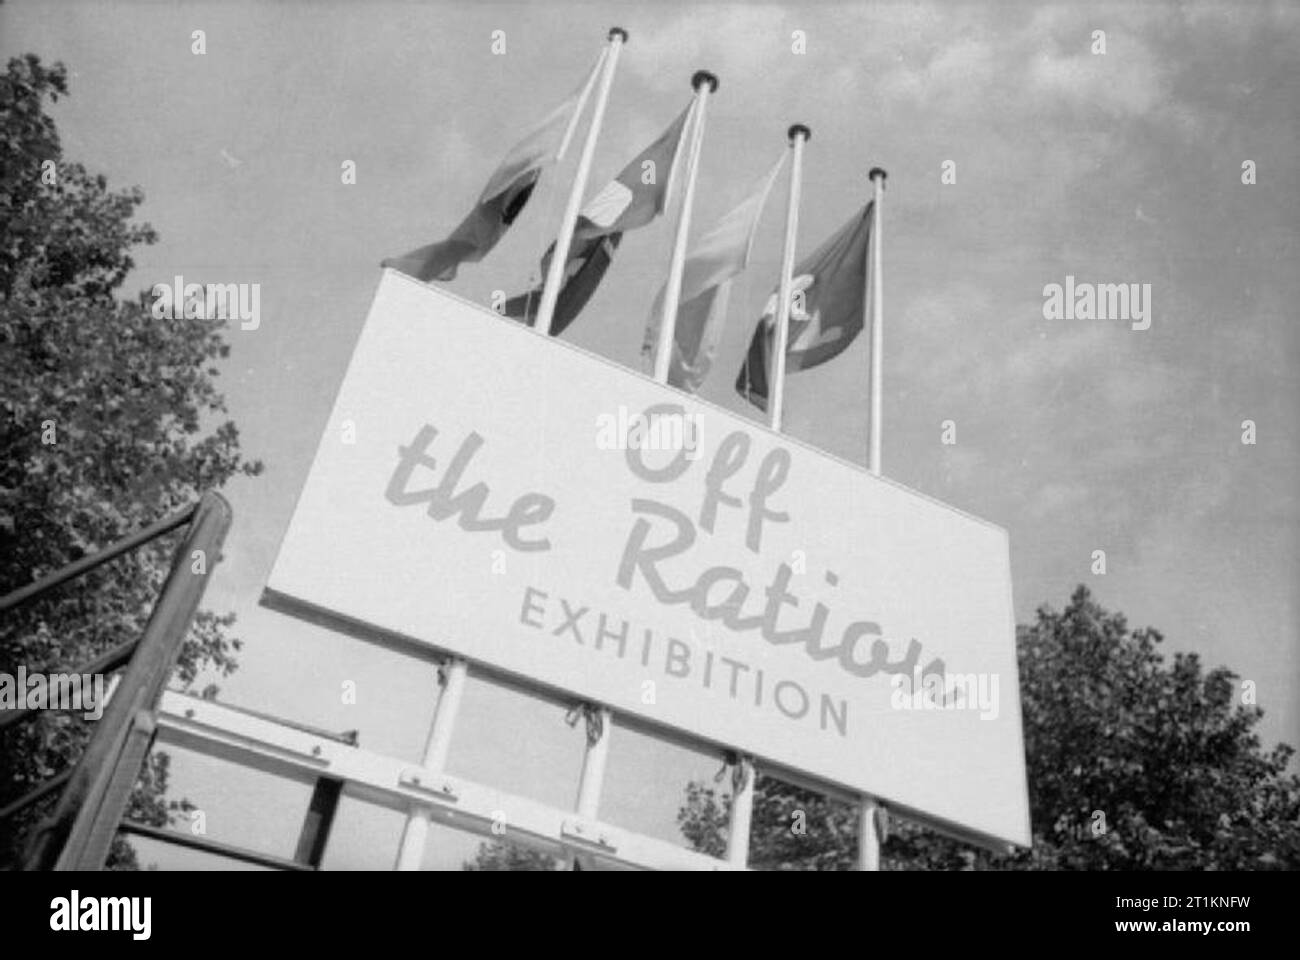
column 1074, row 435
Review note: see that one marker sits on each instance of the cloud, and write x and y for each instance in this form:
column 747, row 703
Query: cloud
column 1127, row 83
column 1137, row 388
column 732, row 41
column 1055, row 499
column 958, row 71
column 1050, row 356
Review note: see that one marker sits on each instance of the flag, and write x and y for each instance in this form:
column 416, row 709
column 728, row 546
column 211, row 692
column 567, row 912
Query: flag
column 500, row 203
column 626, row 202
column 586, row 266
column 710, row 264
column 825, row 311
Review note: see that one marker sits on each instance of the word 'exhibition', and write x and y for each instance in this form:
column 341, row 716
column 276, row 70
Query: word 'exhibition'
column 661, row 534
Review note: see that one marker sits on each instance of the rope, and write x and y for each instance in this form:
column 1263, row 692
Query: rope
column 739, row 777
column 592, row 714
column 739, row 770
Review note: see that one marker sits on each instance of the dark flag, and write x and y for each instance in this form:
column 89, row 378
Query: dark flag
column 825, row 313
column 627, row 202
column 588, row 261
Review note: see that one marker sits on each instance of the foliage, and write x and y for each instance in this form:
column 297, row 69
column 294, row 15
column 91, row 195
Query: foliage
column 109, row 421
column 1133, row 764
column 502, row 855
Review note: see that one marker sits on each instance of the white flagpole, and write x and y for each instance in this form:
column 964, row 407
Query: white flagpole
column 798, row 134
column 742, row 814
column 877, row 281
column 868, row 835
column 555, row 274
column 581, row 105
column 411, row 853
column 868, row 809
column 704, row 83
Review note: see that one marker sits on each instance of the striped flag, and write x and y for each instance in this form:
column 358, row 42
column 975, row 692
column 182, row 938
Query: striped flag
column 632, row 199
column 501, row 201
column 711, row 263
column 826, row 310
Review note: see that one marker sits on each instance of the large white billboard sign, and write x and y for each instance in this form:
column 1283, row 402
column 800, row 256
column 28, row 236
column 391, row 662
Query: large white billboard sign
column 520, row 502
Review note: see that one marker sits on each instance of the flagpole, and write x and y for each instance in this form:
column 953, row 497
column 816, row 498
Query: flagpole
column 798, row 135
column 581, row 105
column 704, row 84
column 555, row 273
column 877, row 316
column 870, row 813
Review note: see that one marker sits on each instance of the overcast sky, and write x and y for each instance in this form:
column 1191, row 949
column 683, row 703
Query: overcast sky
column 1075, row 435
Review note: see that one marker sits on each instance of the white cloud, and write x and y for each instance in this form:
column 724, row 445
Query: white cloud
column 1127, row 82
column 958, row 71
column 732, row 41
column 1051, row 355
column 1054, row 499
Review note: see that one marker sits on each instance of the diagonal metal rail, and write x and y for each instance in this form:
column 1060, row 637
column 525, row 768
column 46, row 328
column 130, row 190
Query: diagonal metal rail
column 78, row 832
column 77, row 568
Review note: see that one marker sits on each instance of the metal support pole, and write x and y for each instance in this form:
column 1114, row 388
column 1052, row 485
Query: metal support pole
column 411, row 853
column 742, row 815
column 593, row 767
column 105, row 662
column 868, row 834
column 868, row 809
column 877, row 317
column 226, row 851
column 703, row 83
column 316, row 825
column 125, row 545
column 594, row 758
column 555, row 274
column 798, row 135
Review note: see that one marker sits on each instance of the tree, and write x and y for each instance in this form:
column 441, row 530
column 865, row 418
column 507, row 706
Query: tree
column 503, row 855
column 1133, row 764
column 109, row 421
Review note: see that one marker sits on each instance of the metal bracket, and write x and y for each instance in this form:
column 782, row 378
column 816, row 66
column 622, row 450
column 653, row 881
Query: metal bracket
column 588, row 835
column 412, row 778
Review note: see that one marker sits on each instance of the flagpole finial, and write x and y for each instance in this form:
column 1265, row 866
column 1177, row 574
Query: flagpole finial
column 618, row 32
column 798, row 129
column 877, row 172
column 701, row 77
